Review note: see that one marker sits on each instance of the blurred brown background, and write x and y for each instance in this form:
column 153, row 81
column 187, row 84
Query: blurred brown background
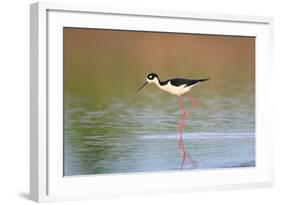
column 92, row 57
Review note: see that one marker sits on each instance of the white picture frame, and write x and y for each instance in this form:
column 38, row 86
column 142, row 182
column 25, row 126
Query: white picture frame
column 46, row 178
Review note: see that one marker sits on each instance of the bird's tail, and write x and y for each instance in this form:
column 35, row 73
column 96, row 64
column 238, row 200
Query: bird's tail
column 202, row 80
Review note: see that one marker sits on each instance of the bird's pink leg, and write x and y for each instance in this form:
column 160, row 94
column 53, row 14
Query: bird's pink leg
column 194, row 104
column 185, row 117
column 181, row 125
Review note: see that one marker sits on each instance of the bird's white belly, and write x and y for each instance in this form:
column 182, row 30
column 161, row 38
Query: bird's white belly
column 175, row 90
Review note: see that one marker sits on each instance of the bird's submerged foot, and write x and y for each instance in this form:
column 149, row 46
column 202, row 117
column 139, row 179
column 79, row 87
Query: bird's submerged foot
column 186, row 158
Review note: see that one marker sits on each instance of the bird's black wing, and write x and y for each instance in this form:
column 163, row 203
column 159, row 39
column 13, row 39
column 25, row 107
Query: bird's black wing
column 186, row 82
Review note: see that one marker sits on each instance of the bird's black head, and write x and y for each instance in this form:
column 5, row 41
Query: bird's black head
column 151, row 76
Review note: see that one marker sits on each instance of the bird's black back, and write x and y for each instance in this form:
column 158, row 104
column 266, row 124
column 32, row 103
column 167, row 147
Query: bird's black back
column 182, row 81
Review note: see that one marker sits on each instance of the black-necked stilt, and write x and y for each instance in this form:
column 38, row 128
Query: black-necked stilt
column 179, row 87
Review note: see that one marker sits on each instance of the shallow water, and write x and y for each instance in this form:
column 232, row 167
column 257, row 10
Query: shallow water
column 130, row 135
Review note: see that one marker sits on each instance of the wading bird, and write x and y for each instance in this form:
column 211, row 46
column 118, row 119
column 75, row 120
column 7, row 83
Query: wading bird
column 179, row 87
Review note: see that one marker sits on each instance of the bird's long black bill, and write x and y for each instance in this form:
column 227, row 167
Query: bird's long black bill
column 142, row 86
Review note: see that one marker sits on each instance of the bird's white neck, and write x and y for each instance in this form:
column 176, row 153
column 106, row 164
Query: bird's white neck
column 157, row 83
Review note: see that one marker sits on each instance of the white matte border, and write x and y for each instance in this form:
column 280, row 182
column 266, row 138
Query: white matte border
column 59, row 187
